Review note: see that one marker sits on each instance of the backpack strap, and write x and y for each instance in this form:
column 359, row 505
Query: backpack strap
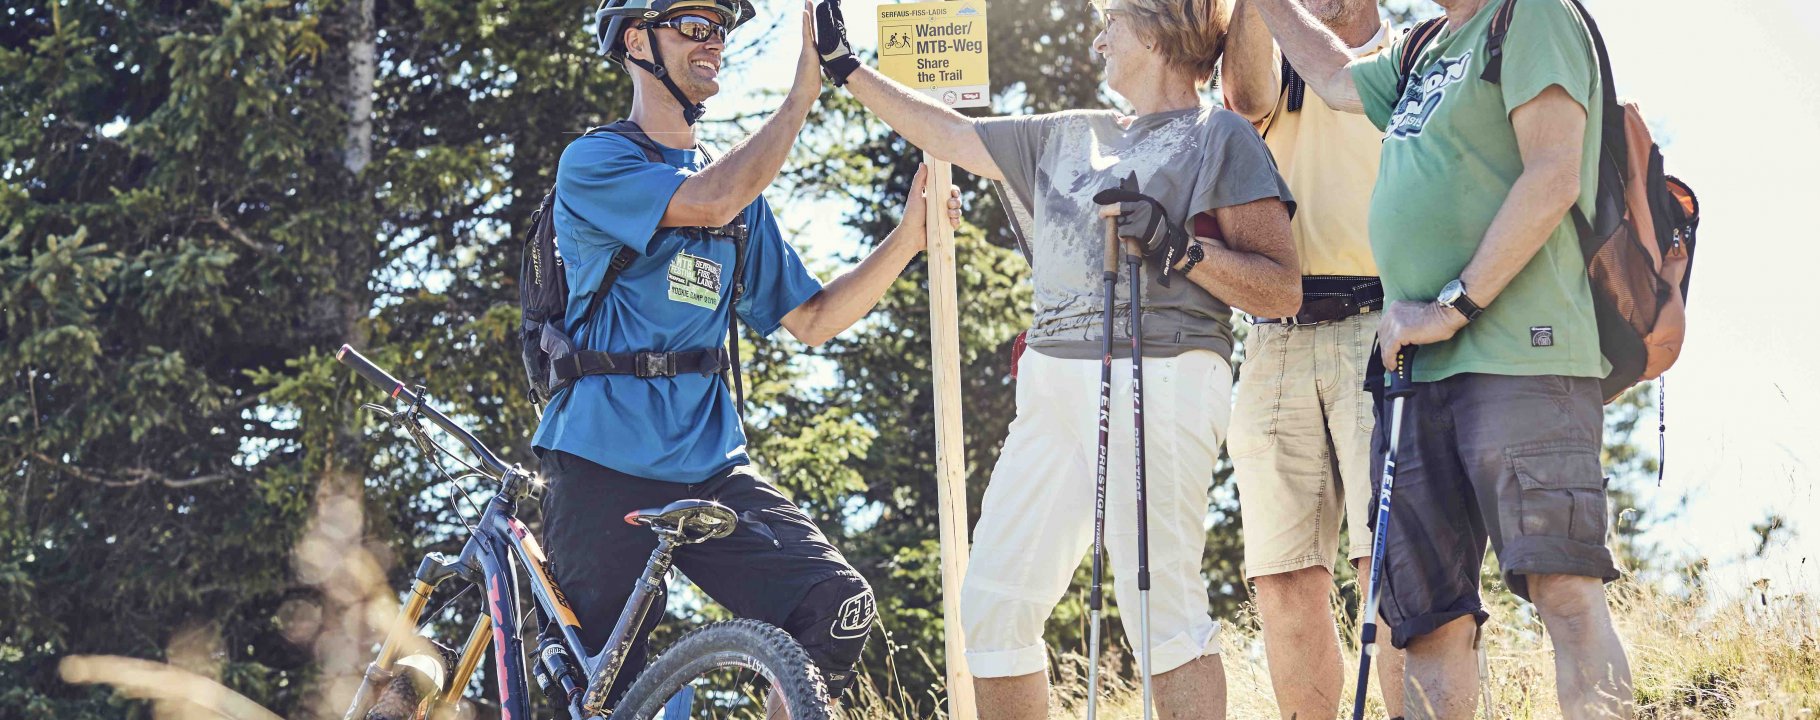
column 1614, row 146
column 622, row 259
column 1414, row 42
column 739, row 290
column 631, row 131
column 1293, row 86
column 1494, row 42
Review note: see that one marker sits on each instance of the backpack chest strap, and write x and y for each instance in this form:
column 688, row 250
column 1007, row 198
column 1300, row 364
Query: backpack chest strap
column 647, row 364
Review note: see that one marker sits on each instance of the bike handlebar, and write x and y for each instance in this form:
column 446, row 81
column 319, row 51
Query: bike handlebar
column 378, row 376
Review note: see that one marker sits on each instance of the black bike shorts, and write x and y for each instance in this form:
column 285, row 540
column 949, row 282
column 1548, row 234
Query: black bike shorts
column 765, row 570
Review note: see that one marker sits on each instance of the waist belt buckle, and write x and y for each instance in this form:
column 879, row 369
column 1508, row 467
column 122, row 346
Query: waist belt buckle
column 654, row 364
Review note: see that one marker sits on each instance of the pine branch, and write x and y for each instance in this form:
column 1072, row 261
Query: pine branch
column 136, row 476
column 236, row 233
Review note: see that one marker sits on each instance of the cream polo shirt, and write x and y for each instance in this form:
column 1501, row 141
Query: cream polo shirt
column 1330, row 161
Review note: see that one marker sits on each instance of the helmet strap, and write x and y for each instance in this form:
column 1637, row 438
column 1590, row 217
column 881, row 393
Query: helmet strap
column 692, row 111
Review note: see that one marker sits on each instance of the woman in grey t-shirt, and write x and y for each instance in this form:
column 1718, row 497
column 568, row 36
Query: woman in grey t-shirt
column 1207, row 167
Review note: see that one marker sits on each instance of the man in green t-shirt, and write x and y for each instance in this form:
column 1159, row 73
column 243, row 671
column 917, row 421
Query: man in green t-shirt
column 1482, row 268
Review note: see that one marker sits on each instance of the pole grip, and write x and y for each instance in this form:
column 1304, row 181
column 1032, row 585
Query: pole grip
column 1402, row 377
column 1112, row 247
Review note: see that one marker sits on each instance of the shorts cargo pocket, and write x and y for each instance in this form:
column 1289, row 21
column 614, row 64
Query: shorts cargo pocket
column 1562, row 493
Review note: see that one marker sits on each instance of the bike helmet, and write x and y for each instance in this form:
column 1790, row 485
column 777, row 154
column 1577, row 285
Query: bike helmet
column 614, row 17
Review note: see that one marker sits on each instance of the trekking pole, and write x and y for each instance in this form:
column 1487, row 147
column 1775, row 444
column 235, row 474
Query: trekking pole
column 1399, row 387
column 1134, row 264
column 1094, row 595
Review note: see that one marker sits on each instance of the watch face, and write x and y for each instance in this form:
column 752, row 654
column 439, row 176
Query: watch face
column 1450, row 293
column 1196, row 252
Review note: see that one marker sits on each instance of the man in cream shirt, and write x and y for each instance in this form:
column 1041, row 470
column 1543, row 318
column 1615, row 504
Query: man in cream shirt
column 1301, row 428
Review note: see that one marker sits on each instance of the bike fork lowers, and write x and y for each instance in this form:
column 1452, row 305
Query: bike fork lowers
column 380, row 671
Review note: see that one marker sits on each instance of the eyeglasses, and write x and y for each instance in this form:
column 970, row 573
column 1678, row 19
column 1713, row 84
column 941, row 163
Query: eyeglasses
column 1106, row 10
column 699, row 29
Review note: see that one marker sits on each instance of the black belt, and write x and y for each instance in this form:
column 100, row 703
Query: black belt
column 1326, row 298
column 641, row 364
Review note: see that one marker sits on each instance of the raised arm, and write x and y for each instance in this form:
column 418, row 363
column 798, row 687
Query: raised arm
column 722, row 190
column 937, row 129
column 1316, row 52
column 850, row 296
column 1250, row 74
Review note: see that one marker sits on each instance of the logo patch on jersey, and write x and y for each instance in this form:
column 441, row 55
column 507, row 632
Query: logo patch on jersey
column 855, row 616
column 1542, row 336
column 1425, row 95
column 695, row 280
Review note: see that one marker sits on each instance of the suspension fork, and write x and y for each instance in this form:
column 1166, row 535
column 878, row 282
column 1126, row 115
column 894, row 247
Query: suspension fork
column 380, row 671
column 435, row 568
column 605, row 667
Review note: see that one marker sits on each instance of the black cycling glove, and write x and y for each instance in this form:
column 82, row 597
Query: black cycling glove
column 831, row 42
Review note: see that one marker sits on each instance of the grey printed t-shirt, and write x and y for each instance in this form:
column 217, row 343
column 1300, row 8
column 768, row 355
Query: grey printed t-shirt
column 1191, row 161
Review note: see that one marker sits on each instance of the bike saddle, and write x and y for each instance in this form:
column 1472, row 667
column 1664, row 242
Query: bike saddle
column 692, row 521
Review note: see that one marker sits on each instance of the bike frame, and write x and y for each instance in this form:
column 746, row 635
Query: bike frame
column 498, row 544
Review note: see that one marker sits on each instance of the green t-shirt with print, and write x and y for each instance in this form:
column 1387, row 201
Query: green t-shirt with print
column 1450, row 159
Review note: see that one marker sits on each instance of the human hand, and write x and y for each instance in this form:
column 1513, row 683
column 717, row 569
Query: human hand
column 1407, row 322
column 913, row 228
column 831, row 46
column 808, row 83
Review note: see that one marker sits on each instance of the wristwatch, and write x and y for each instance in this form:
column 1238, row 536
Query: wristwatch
column 1195, row 254
column 1453, row 295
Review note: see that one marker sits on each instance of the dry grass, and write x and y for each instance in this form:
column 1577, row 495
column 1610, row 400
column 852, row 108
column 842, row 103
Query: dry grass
column 1690, row 659
column 1756, row 659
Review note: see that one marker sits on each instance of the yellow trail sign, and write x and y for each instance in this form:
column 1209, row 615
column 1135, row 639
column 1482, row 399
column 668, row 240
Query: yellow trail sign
column 938, row 48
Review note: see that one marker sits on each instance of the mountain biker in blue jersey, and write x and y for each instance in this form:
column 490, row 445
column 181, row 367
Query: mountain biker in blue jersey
column 657, row 424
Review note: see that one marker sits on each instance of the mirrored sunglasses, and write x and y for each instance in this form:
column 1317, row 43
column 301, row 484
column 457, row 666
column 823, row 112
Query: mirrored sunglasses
column 693, row 27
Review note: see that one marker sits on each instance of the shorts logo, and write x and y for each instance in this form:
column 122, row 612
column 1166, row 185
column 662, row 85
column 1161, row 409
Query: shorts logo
column 855, row 616
column 1541, row 336
column 1425, row 95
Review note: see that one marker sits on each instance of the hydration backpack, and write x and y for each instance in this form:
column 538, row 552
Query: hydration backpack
column 552, row 361
column 1639, row 245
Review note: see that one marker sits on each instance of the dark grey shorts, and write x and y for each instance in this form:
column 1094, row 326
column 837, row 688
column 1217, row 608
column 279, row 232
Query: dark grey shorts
column 1511, row 459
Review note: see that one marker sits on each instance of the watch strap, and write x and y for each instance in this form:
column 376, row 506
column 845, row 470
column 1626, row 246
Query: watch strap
column 1196, row 253
column 1466, row 306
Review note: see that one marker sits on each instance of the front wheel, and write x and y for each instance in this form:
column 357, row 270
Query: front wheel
column 719, row 663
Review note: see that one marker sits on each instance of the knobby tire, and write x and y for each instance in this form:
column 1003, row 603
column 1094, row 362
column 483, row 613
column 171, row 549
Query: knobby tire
column 746, row 644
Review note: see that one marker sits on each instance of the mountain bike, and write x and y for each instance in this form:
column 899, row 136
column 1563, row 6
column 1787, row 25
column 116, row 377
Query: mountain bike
column 723, row 669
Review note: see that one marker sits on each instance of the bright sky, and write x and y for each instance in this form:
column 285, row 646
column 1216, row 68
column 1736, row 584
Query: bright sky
column 1726, row 85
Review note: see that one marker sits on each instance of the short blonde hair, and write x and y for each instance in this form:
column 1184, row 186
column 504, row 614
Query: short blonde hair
column 1191, row 34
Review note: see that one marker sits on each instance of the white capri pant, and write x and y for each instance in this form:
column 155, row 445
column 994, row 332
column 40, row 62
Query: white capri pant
column 1036, row 523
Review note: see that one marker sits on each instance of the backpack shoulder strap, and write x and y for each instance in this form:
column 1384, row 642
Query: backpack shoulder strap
column 1414, row 42
column 621, row 260
column 1293, row 86
column 1613, row 140
column 624, row 257
column 1494, row 42
column 631, row 131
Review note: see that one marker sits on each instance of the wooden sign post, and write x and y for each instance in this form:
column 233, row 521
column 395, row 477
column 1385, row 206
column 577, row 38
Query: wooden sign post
column 940, row 48
column 950, row 461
